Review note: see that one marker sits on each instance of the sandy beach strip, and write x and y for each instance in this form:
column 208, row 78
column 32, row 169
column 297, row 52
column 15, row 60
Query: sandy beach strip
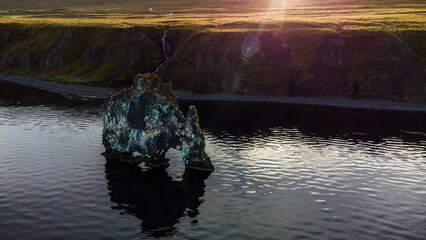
column 62, row 88
column 341, row 102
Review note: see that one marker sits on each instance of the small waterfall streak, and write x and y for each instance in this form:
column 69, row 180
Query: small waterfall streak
column 166, row 46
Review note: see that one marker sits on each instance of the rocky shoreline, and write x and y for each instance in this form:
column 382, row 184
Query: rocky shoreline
column 62, row 88
column 341, row 102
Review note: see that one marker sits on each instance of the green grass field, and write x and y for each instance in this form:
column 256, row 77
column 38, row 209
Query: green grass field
column 224, row 15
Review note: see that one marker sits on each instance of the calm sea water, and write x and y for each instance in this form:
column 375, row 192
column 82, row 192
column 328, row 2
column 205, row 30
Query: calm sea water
column 282, row 172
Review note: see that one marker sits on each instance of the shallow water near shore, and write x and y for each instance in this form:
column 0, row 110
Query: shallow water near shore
column 282, row 172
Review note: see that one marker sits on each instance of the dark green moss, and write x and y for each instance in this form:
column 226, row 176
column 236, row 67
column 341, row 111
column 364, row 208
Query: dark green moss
column 207, row 161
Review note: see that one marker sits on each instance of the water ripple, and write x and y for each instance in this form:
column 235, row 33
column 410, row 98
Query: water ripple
column 274, row 180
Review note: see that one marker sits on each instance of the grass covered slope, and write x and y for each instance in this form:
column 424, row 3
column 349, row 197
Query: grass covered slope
column 87, row 55
column 373, row 49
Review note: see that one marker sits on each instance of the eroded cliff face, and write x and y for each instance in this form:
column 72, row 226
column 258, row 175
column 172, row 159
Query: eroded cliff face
column 360, row 65
column 231, row 62
column 146, row 119
column 83, row 54
column 55, row 56
column 368, row 66
column 387, row 68
column 331, row 68
column 348, row 64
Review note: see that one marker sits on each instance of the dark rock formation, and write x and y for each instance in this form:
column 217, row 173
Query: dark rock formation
column 98, row 54
column 146, row 119
column 331, row 69
column 139, row 51
column 231, row 62
column 278, row 64
column 27, row 59
column 8, row 62
column 388, row 69
column 5, row 33
column 55, row 56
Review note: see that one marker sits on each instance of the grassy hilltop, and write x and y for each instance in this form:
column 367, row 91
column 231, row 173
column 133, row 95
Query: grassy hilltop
column 223, row 14
column 112, row 40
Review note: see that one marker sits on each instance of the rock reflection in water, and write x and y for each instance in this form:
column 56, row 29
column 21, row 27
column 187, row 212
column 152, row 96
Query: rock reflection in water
column 153, row 196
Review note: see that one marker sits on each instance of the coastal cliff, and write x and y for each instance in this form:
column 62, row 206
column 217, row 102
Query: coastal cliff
column 355, row 64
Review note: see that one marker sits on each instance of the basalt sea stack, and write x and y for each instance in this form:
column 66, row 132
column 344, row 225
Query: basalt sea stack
column 146, row 119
